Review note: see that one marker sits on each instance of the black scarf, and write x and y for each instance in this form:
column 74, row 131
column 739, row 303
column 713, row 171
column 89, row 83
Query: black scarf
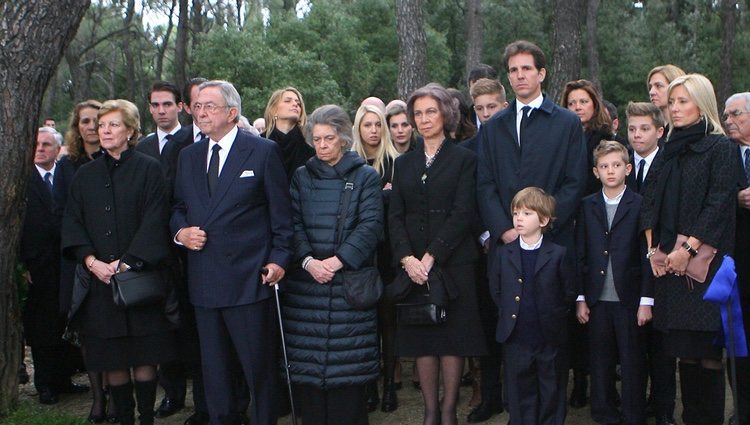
column 667, row 191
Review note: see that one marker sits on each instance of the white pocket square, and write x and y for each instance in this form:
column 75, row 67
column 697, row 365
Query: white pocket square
column 247, row 173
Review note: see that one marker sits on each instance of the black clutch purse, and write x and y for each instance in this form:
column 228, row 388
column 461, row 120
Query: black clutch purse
column 362, row 288
column 138, row 288
column 420, row 311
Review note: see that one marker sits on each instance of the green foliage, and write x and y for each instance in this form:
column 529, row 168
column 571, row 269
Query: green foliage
column 30, row 414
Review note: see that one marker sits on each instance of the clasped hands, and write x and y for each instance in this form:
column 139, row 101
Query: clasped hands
column 324, row 270
column 676, row 262
column 418, row 270
column 104, row 271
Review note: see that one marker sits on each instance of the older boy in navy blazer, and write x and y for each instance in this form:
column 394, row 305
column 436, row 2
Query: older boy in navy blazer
column 531, row 283
column 615, row 296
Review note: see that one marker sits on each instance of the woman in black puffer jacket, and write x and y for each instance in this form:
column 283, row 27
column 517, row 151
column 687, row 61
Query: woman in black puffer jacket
column 332, row 347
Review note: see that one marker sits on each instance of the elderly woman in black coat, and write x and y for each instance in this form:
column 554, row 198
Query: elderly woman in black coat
column 115, row 219
column 691, row 191
column 432, row 208
column 332, row 346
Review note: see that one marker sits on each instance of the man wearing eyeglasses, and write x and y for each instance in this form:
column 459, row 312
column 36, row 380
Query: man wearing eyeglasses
column 232, row 213
column 736, row 119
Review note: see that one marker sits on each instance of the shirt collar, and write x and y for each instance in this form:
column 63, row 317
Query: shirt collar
column 531, row 247
column 196, row 130
column 42, row 172
column 613, row 201
column 161, row 134
column 534, row 104
column 226, row 141
column 649, row 158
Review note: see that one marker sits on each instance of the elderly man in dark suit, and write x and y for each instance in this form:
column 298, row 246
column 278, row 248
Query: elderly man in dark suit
column 40, row 253
column 736, row 119
column 233, row 213
column 533, row 142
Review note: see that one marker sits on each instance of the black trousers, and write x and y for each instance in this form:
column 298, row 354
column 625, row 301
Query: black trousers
column 52, row 365
column 247, row 331
column 614, row 333
column 536, row 381
column 339, row 406
column 662, row 370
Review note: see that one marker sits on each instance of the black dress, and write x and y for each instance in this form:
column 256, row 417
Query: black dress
column 432, row 210
column 117, row 209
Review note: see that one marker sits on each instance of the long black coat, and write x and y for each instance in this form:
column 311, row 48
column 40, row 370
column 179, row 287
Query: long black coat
column 117, row 209
column 330, row 344
column 40, row 253
column 553, row 158
column 742, row 247
column 707, row 211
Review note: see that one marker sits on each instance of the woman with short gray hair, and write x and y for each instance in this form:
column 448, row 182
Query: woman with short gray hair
column 332, row 346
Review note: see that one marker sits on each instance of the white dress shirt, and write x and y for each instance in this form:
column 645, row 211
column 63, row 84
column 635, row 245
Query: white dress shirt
column 226, row 144
column 649, row 160
column 534, row 104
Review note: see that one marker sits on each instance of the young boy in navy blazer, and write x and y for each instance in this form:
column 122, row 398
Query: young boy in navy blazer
column 532, row 284
column 615, row 296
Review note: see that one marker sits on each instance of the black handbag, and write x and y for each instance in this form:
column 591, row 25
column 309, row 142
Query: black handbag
column 138, row 288
column 420, row 311
column 362, row 288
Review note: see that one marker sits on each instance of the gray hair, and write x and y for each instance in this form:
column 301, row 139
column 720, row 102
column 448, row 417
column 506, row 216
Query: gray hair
column 737, row 96
column 448, row 108
column 334, row 116
column 56, row 134
column 229, row 93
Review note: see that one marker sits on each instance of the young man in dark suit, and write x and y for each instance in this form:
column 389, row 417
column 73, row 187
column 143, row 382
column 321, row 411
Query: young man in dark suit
column 616, row 292
column 233, row 213
column 736, row 119
column 532, row 284
column 40, row 253
column 645, row 128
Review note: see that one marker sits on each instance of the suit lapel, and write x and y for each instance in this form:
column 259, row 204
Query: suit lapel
column 509, row 121
column 513, row 251
column 230, row 171
column 622, row 208
column 40, row 189
column 600, row 210
column 200, row 181
column 545, row 254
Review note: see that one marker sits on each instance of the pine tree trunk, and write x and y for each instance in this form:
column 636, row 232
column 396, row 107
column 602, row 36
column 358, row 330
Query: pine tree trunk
column 566, row 46
column 474, row 30
column 34, row 35
column 180, row 46
column 412, row 43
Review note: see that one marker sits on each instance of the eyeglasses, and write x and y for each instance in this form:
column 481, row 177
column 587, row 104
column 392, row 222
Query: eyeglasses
column 208, row 107
column 734, row 114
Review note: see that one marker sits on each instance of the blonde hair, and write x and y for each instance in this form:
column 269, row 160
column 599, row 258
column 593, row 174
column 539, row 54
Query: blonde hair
column 606, row 147
column 701, row 92
column 537, row 200
column 385, row 148
column 669, row 71
column 273, row 102
column 130, row 116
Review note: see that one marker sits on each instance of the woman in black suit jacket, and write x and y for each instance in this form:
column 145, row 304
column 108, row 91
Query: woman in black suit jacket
column 430, row 216
column 691, row 191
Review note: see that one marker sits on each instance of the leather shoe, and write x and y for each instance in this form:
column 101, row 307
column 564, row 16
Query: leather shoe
column 483, row 412
column 169, row 407
column 665, row 420
column 73, row 388
column 197, row 419
column 48, row 396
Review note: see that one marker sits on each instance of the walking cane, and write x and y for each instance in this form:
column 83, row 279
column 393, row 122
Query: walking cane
column 264, row 271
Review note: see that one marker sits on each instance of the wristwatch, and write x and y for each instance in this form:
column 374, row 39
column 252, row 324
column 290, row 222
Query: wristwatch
column 692, row 251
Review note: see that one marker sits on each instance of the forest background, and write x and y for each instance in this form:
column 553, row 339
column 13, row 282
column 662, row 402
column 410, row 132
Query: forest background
column 341, row 51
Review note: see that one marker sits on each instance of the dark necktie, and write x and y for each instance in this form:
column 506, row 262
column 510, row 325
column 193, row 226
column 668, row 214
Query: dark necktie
column 639, row 174
column 747, row 165
column 524, row 121
column 213, row 169
column 48, row 179
column 168, row 140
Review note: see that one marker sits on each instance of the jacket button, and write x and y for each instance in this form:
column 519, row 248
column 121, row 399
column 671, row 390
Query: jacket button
column 107, row 208
column 108, row 233
column 520, row 280
column 139, row 264
column 601, row 272
column 606, row 233
column 518, row 299
column 606, row 253
column 513, row 316
column 106, row 185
